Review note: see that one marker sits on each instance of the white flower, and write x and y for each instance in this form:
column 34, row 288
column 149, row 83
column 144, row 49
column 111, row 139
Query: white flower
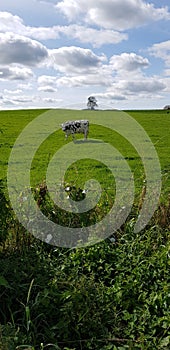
column 48, row 238
column 112, row 239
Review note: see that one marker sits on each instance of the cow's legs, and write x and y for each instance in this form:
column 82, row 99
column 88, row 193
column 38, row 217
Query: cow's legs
column 73, row 136
column 85, row 135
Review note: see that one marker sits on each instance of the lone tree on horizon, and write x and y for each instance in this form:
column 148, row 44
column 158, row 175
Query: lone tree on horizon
column 167, row 107
column 92, row 102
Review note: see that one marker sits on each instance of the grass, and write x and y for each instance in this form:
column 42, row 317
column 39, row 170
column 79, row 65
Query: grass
column 113, row 295
column 156, row 124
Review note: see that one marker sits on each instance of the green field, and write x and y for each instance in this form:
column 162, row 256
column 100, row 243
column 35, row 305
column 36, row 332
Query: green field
column 156, row 124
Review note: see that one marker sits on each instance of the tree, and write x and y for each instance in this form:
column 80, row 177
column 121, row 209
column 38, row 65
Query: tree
column 92, row 102
column 167, row 107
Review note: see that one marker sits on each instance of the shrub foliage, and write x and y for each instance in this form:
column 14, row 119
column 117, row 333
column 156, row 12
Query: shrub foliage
column 113, row 295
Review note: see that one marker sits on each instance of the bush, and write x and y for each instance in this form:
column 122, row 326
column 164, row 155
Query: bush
column 5, row 217
column 108, row 296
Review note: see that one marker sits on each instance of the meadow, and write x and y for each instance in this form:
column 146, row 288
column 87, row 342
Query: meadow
column 156, row 124
column 112, row 295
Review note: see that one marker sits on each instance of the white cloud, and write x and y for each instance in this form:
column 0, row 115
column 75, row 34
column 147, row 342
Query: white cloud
column 72, row 8
column 128, row 62
column 51, row 100
column 7, row 102
column 161, row 50
column 15, row 24
column 22, row 99
column 93, row 36
column 47, row 80
column 47, row 88
column 22, row 50
column 110, row 96
column 113, row 14
column 96, row 79
column 167, row 82
column 148, row 85
column 123, row 90
column 75, row 60
column 11, row 23
column 17, row 100
column 122, row 76
column 27, row 86
column 16, row 91
column 144, row 86
column 167, row 72
column 97, row 38
column 47, row 83
column 15, row 73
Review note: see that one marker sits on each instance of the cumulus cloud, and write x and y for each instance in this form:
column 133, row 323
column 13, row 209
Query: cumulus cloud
column 47, row 80
column 22, row 50
column 102, row 77
column 22, row 99
column 16, row 91
column 148, row 85
column 75, row 60
column 51, row 100
column 78, row 71
column 128, row 62
column 47, row 83
column 161, row 50
column 27, row 86
column 11, row 23
column 137, row 88
column 16, row 100
column 15, row 24
column 47, row 88
column 72, row 9
column 15, row 73
column 93, row 36
column 167, row 72
column 97, row 38
column 111, row 96
column 6, row 101
column 122, row 90
column 113, row 13
column 96, row 79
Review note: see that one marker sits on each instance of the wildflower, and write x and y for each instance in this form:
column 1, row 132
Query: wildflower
column 48, row 238
column 112, row 239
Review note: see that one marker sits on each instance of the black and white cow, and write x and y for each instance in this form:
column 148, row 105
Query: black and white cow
column 76, row 127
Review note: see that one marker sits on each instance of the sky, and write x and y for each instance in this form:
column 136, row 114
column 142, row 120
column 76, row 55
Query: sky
column 57, row 53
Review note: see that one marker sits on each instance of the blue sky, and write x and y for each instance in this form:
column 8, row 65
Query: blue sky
column 57, row 53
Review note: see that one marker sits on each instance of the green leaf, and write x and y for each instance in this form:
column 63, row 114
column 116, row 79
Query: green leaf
column 165, row 342
column 3, row 282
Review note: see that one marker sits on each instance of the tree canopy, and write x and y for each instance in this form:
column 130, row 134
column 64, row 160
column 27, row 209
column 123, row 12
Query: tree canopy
column 92, row 102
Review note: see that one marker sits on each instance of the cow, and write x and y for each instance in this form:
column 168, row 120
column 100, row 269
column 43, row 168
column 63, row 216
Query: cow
column 76, row 127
